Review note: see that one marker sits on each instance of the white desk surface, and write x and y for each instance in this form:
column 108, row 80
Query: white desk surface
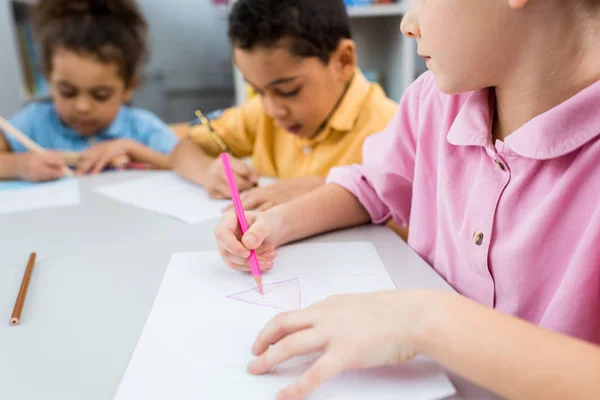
column 99, row 267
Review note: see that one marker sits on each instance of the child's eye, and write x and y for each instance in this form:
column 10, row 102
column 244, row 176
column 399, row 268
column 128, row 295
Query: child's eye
column 102, row 97
column 290, row 94
column 68, row 94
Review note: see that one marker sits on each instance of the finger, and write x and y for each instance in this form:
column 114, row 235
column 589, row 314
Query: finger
column 252, row 199
column 254, row 176
column 281, row 326
column 84, row 167
column 236, row 263
column 244, row 184
column 266, row 205
column 327, row 367
column 256, row 235
column 243, row 264
column 240, row 268
column 120, row 161
column 56, row 174
column 241, row 169
column 53, row 159
column 220, row 189
column 226, row 233
column 49, row 173
column 265, row 248
column 101, row 164
column 216, row 192
column 268, row 253
column 266, row 265
column 303, row 342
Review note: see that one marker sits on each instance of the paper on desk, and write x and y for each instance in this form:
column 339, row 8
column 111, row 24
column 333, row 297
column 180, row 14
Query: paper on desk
column 197, row 339
column 166, row 193
column 16, row 196
column 266, row 181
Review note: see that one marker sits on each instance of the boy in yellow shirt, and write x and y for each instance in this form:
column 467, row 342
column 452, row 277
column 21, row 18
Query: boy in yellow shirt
column 313, row 112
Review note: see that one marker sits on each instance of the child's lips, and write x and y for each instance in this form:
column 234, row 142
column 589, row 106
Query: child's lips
column 84, row 124
column 294, row 128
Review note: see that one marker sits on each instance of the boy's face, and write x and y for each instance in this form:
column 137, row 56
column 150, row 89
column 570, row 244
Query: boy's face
column 298, row 93
column 468, row 44
column 87, row 94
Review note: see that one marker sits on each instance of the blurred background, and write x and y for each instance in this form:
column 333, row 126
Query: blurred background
column 190, row 64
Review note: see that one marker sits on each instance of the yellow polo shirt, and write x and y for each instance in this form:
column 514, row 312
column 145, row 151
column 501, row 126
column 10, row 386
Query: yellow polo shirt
column 250, row 132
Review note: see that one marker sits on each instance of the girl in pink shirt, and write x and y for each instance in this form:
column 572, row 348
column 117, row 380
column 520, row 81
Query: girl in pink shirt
column 493, row 159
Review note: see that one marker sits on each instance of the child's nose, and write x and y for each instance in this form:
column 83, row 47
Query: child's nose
column 275, row 109
column 82, row 105
column 410, row 23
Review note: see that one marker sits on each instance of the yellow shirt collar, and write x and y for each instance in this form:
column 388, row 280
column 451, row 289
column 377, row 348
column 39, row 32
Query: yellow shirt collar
column 348, row 111
column 345, row 117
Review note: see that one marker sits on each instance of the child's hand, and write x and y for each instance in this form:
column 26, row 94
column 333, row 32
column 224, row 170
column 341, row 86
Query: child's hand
column 262, row 236
column 351, row 331
column 215, row 182
column 98, row 157
column 263, row 198
column 40, row 167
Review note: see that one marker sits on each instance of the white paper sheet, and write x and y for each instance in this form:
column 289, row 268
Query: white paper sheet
column 197, row 339
column 167, row 194
column 267, row 181
column 25, row 196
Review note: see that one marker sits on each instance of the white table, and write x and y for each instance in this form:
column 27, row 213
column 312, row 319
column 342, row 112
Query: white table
column 99, row 267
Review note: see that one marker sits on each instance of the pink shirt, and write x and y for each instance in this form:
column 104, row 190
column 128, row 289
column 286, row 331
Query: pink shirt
column 514, row 225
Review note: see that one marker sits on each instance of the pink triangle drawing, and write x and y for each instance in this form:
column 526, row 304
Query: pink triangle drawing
column 283, row 295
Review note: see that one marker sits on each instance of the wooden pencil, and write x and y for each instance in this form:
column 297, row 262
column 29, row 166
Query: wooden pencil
column 15, row 319
column 215, row 135
column 26, row 141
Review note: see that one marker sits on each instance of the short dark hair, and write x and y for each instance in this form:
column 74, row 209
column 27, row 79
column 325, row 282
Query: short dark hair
column 111, row 30
column 315, row 27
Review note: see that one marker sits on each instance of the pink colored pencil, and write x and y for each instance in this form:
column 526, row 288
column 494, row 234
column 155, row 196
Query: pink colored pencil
column 241, row 217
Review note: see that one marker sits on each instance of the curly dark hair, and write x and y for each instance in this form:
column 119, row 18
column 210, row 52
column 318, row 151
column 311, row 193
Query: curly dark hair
column 314, row 27
column 110, row 30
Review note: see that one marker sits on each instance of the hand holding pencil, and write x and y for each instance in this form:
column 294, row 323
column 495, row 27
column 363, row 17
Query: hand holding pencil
column 40, row 167
column 40, row 163
column 241, row 217
column 215, row 181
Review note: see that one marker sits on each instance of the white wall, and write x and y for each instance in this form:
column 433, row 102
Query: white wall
column 191, row 52
column 11, row 85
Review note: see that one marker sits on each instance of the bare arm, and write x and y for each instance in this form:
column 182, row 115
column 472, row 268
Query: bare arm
column 503, row 354
column 8, row 161
column 181, row 130
column 327, row 208
column 143, row 154
column 190, row 162
column 508, row 356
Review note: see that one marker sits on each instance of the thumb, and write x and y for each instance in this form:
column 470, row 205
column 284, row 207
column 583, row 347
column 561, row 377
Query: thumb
column 254, row 176
column 256, row 235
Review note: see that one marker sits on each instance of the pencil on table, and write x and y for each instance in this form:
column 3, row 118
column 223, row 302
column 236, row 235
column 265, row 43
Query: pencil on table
column 15, row 319
column 26, row 141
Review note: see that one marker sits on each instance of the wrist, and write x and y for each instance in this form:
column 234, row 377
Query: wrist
column 284, row 231
column 433, row 312
column 18, row 166
column 129, row 146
